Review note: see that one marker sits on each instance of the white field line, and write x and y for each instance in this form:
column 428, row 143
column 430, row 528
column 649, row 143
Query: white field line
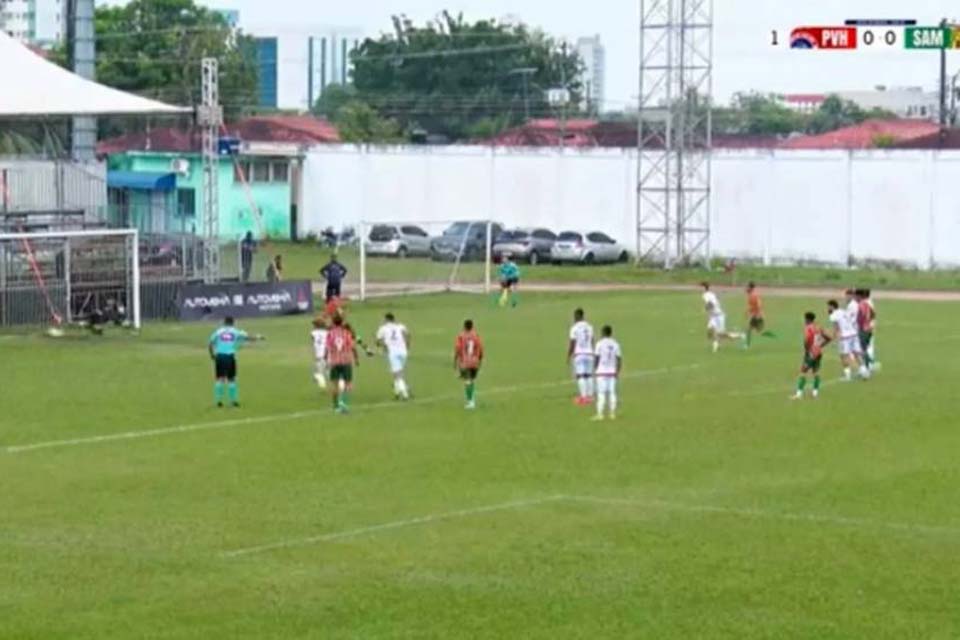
column 861, row 523
column 387, row 526
column 297, row 415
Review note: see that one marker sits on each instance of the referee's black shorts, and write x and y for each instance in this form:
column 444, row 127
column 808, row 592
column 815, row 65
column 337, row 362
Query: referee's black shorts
column 333, row 290
column 225, row 366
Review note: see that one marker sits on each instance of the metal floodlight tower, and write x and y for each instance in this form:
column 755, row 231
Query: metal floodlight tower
column 674, row 131
column 210, row 119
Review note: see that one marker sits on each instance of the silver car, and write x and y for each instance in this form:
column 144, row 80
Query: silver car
column 397, row 240
column 527, row 245
column 587, row 248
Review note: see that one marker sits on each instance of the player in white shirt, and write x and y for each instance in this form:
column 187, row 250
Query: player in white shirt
column 581, row 355
column 609, row 361
column 716, row 319
column 847, row 337
column 395, row 339
column 319, row 339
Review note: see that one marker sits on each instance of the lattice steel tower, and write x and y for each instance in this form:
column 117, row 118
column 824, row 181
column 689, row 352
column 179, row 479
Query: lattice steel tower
column 210, row 119
column 674, row 131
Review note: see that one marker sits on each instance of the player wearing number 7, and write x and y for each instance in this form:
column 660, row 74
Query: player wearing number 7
column 467, row 358
column 395, row 339
column 609, row 362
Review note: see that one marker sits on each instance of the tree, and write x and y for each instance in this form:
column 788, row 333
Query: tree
column 154, row 48
column 835, row 113
column 758, row 114
column 451, row 77
column 359, row 122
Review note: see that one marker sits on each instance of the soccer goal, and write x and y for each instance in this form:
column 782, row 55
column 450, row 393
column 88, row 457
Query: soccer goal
column 56, row 279
column 416, row 257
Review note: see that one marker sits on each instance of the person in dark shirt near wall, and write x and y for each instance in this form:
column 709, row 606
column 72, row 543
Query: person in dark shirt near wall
column 248, row 246
column 334, row 273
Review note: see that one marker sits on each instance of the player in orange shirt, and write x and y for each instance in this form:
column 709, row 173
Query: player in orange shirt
column 467, row 358
column 341, row 358
column 814, row 340
column 755, row 319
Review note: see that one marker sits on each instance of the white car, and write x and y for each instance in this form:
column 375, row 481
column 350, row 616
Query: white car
column 397, row 240
column 587, row 248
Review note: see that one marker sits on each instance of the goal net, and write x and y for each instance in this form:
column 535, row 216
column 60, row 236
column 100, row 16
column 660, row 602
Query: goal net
column 70, row 277
column 412, row 257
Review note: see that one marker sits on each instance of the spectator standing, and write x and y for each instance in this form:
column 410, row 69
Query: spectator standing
column 334, row 273
column 275, row 270
column 248, row 247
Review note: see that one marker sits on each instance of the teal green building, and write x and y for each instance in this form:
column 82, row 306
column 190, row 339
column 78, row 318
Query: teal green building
column 161, row 192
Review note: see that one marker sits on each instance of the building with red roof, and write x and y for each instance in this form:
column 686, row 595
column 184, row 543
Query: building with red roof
column 594, row 133
column 868, row 134
column 279, row 129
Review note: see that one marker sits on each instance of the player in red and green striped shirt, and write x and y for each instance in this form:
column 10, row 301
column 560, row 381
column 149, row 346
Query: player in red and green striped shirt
column 814, row 340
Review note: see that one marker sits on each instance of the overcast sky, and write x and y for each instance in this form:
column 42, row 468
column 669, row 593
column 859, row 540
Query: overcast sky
column 743, row 56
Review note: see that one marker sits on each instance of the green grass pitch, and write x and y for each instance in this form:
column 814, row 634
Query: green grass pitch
column 714, row 508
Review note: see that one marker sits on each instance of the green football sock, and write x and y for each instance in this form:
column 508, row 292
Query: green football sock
column 218, row 392
column 816, row 383
column 345, row 399
column 466, row 391
column 471, row 391
column 232, row 392
column 801, row 383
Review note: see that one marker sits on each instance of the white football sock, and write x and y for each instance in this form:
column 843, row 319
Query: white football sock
column 847, row 375
column 613, row 402
column 601, row 403
column 591, row 387
column 402, row 387
column 321, row 380
column 582, row 387
column 716, row 346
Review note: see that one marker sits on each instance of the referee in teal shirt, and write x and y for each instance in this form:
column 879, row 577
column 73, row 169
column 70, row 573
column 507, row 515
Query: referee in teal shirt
column 223, row 345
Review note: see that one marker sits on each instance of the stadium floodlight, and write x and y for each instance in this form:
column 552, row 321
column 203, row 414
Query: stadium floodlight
column 415, row 257
column 70, row 277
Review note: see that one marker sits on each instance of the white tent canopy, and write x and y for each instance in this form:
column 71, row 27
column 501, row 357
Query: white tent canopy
column 33, row 86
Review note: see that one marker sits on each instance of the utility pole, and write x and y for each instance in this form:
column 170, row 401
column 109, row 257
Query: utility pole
column 525, row 73
column 943, row 79
column 563, row 85
column 83, row 138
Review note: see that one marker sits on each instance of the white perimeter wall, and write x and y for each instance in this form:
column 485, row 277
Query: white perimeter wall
column 821, row 206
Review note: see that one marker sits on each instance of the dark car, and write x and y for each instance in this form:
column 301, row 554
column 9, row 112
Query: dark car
column 466, row 241
column 527, row 245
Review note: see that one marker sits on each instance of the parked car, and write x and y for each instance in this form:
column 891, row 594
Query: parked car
column 464, row 240
column 527, row 245
column 587, row 248
column 397, row 240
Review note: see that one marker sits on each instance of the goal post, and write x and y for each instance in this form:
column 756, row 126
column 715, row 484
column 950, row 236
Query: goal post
column 59, row 278
column 422, row 257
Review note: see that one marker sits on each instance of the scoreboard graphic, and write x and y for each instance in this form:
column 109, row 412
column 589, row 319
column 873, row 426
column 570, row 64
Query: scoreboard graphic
column 871, row 35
